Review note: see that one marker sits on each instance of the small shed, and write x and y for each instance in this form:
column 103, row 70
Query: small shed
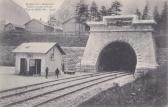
column 33, row 58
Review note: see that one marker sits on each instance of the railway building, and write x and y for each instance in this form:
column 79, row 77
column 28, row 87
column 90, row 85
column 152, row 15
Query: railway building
column 14, row 27
column 37, row 26
column 71, row 26
column 33, row 58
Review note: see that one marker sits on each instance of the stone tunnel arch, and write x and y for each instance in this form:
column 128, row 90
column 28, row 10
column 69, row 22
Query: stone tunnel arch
column 117, row 56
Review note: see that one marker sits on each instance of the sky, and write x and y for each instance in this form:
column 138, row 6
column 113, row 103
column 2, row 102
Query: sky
column 43, row 7
column 46, row 7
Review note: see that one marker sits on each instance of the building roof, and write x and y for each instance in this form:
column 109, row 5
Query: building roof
column 41, row 22
column 16, row 25
column 69, row 19
column 37, row 47
column 74, row 18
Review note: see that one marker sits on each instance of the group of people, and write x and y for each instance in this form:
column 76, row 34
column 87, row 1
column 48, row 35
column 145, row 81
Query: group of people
column 57, row 72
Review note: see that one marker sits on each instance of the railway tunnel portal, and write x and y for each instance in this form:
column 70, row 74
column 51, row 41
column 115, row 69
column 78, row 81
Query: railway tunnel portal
column 117, row 56
column 120, row 42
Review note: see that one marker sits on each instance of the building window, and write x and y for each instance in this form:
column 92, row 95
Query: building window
column 52, row 57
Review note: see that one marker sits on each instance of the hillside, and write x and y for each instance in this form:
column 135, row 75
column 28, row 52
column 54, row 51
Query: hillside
column 15, row 39
column 67, row 9
column 12, row 12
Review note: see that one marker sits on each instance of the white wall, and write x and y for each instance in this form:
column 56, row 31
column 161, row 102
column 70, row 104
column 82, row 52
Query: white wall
column 54, row 63
column 45, row 61
column 27, row 57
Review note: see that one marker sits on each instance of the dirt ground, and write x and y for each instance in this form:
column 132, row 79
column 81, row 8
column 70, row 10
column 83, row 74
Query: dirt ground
column 8, row 78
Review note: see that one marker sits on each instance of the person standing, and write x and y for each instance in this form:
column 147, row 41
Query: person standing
column 63, row 67
column 46, row 72
column 57, row 72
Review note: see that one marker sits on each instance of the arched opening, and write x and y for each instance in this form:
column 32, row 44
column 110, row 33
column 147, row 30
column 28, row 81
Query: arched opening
column 117, row 56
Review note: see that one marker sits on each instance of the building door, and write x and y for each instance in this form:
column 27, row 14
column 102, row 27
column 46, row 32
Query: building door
column 35, row 66
column 32, row 67
column 23, row 66
column 38, row 66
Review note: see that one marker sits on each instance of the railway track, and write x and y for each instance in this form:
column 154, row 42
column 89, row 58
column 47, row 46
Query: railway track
column 33, row 87
column 40, row 94
column 17, row 88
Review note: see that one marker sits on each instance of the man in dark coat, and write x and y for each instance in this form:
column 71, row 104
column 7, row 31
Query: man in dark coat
column 46, row 72
column 63, row 67
column 57, row 72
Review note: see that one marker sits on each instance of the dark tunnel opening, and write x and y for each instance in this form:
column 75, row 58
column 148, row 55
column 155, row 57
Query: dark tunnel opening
column 117, row 56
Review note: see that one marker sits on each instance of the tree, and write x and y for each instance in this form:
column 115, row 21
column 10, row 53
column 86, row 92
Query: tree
column 164, row 19
column 81, row 14
column 164, row 14
column 138, row 13
column 145, row 14
column 103, row 11
column 110, row 11
column 156, row 17
column 94, row 11
column 115, row 8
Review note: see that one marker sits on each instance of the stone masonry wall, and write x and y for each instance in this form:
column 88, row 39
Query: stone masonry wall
column 138, row 36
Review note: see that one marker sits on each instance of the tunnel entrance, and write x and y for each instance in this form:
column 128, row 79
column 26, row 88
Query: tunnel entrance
column 117, row 56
